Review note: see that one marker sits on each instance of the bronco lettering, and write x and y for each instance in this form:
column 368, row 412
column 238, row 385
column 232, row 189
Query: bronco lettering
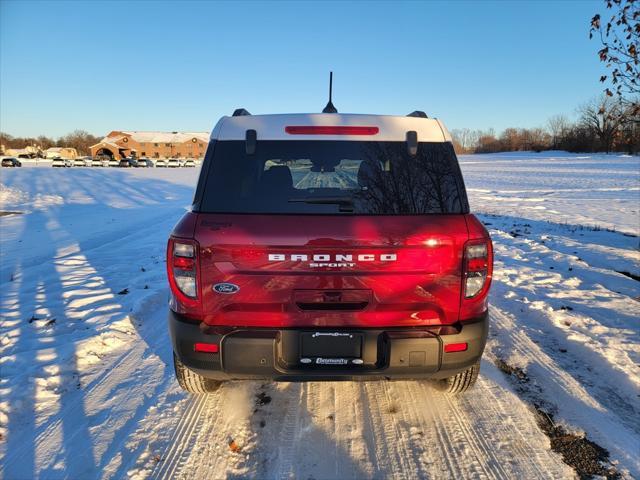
column 339, row 257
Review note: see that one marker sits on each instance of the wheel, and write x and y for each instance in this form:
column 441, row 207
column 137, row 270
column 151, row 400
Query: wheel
column 460, row 382
column 192, row 382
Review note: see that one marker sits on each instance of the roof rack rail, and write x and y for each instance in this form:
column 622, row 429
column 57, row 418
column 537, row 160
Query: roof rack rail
column 418, row 113
column 240, row 112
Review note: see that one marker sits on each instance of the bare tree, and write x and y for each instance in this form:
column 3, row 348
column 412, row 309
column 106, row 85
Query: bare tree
column 44, row 142
column 511, row 139
column 557, row 126
column 604, row 117
column 80, row 140
column 465, row 138
column 620, row 37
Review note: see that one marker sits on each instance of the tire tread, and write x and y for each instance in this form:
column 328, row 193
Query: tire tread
column 460, row 382
column 191, row 382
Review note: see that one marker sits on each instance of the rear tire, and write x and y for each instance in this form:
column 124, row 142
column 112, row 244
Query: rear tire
column 191, row 382
column 460, row 382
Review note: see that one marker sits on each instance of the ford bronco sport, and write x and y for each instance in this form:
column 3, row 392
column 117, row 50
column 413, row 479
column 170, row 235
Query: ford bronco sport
column 325, row 247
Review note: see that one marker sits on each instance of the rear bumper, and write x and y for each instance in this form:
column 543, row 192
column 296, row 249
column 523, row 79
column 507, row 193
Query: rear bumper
column 257, row 353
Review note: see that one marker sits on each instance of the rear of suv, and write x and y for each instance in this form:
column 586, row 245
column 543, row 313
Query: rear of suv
column 327, row 247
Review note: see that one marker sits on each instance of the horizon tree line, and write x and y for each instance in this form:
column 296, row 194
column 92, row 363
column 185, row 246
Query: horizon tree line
column 604, row 124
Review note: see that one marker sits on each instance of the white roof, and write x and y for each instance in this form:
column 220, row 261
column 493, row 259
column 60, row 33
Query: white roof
column 167, row 137
column 58, row 149
column 272, row 127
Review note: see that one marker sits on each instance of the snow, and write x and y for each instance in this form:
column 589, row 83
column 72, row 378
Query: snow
column 87, row 387
column 587, row 190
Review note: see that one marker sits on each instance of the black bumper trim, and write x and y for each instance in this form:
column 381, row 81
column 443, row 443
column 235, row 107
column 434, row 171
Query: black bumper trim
column 387, row 353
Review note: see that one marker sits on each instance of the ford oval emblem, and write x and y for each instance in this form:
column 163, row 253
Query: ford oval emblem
column 226, row 288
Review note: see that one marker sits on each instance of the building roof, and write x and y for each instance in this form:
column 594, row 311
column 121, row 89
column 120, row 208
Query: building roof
column 58, row 149
column 158, row 137
column 106, row 143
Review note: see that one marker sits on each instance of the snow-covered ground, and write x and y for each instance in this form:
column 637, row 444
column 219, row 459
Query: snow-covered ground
column 589, row 190
column 87, row 388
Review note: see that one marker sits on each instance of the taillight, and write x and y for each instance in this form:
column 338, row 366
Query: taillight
column 476, row 266
column 182, row 266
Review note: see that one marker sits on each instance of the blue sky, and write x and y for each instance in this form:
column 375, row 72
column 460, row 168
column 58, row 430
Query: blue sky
column 146, row 65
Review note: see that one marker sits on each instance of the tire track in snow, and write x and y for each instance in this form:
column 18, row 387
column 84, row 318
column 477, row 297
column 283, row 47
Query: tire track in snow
column 385, row 432
column 288, row 434
column 182, row 439
column 349, row 429
column 602, row 335
column 559, row 388
column 397, row 430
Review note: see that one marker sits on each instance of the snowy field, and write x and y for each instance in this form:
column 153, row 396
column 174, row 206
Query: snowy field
column 87, row 388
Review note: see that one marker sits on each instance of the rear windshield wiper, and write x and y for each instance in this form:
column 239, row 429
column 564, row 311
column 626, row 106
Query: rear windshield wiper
column 345, row 204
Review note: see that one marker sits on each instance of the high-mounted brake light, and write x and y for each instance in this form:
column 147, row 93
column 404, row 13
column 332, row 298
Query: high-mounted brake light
column 182, row 266
column 330, row 130
column 476, row 264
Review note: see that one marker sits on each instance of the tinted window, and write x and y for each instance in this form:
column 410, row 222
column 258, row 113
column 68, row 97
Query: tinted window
column 333, row 177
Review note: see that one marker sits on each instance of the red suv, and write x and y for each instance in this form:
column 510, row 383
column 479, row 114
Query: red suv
column 329, row 247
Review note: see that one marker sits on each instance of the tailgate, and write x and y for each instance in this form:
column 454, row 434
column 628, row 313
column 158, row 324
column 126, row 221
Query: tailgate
column 351, row 271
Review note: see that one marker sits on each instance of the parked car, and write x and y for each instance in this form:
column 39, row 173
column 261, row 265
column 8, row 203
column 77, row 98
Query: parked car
column 11, row 162
column 100, row 161
column 127, row 162
column 61, row 162
column 144, row 163
column 79, row 162
column 173, row 163
column 161, row 162
column 189, row 162
column 323, row 247
column 113, row 162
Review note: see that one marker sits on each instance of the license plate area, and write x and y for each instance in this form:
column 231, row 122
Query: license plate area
column 331, row 348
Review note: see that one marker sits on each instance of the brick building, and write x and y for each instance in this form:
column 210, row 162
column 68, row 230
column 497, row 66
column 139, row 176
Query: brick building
column 62, row 152
column 119, row 144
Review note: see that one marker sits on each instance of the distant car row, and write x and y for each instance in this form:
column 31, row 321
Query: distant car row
column 111, row 162
column 11, row 162
column 124, row 162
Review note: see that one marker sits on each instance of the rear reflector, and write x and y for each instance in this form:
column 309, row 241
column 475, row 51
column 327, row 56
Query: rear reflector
column 455, row 347
column 329, row 130
column 206, row 347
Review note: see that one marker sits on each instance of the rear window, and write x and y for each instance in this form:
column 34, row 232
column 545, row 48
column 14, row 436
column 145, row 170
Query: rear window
column 332, row 177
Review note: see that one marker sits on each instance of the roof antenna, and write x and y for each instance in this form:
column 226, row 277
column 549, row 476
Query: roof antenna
column 330, row 108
